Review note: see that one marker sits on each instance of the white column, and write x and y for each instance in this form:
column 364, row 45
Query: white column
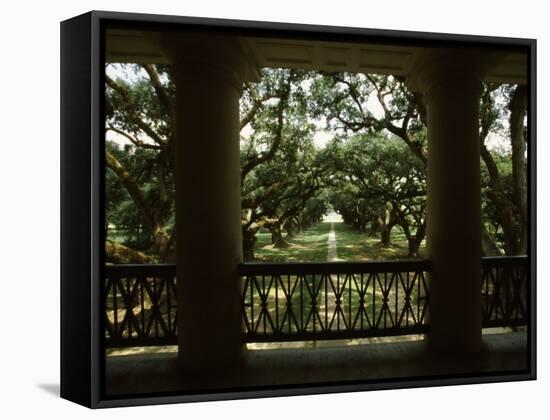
column 208, row 76
column 450, row 83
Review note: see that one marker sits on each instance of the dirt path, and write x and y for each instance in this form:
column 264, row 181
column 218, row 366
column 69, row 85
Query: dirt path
column 332, row 254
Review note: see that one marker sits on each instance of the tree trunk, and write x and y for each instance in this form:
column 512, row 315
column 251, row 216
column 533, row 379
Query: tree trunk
column 248, row 251
column 416, row 240
column 162, row 243
column 249, row 240
column 277, row 236
column 410, row 237
column 119, row 254
column 374, row 227
column 291, row 229
column 385, row 235
column 502, row 205
column 151, row 215
column 413, row 247
column 518, row 109
column 488, row 246
column 497, row 194
column 386, row 225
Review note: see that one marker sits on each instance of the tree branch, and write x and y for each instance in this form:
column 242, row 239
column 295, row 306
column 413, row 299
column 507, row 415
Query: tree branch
column 130, row 186
column 133, row 140
column 133, row 114
column 160, row 90
column 264, row 157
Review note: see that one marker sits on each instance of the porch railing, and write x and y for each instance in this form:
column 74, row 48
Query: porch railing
column 320, row 301
column 308, row 301
column 140, row 305
column 504, row 289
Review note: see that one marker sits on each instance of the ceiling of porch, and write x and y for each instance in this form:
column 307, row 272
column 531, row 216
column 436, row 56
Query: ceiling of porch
column 143, row 47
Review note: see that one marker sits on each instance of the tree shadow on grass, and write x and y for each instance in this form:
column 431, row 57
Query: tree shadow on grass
column 309, row 245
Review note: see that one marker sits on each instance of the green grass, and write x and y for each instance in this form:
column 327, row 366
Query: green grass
column 118, row 236
column 310, row 245
column 352, row 245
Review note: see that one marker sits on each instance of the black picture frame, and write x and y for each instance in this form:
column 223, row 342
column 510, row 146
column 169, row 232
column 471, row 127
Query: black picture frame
column 82, row 208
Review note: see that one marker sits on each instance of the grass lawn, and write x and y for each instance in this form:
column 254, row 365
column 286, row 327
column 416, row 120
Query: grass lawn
column 310, row 245
column 118, row 236
column 351, row 245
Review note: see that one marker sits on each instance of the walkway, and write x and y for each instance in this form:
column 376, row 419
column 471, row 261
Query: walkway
column 332, row 255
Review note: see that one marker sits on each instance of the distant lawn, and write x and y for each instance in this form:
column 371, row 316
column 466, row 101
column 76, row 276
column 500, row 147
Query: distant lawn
column 119, row 236
column 310, row 245
column 352, row 245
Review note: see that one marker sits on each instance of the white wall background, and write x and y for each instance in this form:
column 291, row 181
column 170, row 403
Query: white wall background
column 29, row 206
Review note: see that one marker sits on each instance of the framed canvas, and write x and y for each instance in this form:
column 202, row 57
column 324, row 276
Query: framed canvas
column 255, row 209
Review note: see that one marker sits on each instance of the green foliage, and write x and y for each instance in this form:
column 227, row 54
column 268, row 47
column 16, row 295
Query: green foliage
column 373, row 172
column 369, row 104
column 280, row 167
column 140, row 190
column 490, row 213
column 376, row 176
column 141, row 105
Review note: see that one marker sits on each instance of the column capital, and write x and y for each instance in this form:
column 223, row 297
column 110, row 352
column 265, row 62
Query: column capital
column 200, row 52
column 435, row 66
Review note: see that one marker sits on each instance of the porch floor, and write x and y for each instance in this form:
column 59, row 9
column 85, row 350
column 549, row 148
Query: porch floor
column 152, row 373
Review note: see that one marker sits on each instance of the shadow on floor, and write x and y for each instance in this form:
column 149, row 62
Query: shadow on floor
column 161, row 372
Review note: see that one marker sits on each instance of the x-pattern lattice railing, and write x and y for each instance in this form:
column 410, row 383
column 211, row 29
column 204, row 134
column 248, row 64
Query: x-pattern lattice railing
column 316, row 301
column 308, row 301
column 140, row 305
column 504, row 291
